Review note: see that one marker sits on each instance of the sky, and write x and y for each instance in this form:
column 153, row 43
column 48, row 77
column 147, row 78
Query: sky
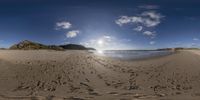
column 102, row 24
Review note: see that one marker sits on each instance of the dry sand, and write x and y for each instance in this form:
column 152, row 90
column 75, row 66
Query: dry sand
column 80, row 75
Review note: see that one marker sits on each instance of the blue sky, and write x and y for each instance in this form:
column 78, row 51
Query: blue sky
column 102, row 24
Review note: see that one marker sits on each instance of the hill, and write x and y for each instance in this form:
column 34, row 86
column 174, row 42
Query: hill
column 73, row 47
column 29, row 45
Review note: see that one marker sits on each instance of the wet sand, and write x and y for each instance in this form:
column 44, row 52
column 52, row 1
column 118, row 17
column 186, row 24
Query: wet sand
column 80, row 75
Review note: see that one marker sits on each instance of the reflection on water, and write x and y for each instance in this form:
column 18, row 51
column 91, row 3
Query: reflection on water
column 100, row 52
column 131, row 54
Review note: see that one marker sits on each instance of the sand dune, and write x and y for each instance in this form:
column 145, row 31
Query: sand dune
column 80, row 75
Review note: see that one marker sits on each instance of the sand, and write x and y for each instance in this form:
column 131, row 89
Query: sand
column 80, row 75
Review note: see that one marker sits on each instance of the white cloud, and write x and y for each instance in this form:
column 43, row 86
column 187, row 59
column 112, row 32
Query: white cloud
column 149, row 33
column 72, row 34
column 151, row 22
column 195, row 39
column 151, row 18
column 152, row 14
column 107, row 37
column 138, row 28
column 123, row 20
column 63, row 25
column 128, row 20
column 147, row 19
column 149, row 7
column 136, row 19
column 152, row 42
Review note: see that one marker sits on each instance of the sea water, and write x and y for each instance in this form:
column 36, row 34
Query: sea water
column 132, row 54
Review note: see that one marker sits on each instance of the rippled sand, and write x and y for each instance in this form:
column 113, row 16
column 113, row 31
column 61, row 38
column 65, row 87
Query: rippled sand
column 80, row 75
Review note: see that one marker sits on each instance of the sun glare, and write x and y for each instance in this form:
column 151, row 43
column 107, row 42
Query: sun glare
column 100, row 42
column 100, row 52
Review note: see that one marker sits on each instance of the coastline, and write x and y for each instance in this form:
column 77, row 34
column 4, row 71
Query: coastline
column 123, row 56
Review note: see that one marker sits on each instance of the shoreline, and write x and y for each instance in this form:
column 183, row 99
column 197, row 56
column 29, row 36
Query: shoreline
column 139, row 59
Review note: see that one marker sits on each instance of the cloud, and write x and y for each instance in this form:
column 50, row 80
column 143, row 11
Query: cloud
column 67, row 25
column 152, row 14
column 123, row 20
column 195, row 39
column 107, row 37
column 138, row 28
column 63, row 25
column 72, row 34
column 142, row 22
column 149, row 7
column 149, row 33
column 147, row 19
column 128, row 20
column 152, row 42
column 151, row 18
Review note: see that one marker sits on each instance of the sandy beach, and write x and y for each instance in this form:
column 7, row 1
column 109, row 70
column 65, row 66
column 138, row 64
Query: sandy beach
column 80, row 75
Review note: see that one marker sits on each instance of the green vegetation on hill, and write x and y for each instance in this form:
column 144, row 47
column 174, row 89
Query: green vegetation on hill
column 29, row 45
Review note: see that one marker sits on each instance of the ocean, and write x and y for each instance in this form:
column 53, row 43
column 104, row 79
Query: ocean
column 132, row 54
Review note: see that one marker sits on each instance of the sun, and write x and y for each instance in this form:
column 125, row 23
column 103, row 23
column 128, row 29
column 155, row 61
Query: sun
column 100, row 42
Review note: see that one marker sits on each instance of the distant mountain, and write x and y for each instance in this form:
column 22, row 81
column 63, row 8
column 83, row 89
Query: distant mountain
column 29, row 45
column 91, row 49
column 177, row 48
column 54, row 47
column 74, row 47
column 163, row 49
column 2, row 48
